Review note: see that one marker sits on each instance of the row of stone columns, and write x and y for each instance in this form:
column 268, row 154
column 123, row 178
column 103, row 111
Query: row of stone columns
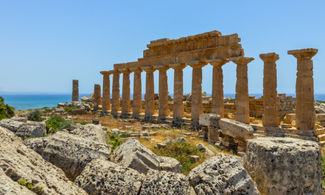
column 242, row 100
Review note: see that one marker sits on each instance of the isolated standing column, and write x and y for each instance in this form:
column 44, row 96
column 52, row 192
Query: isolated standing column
column 97, row 96
column 242, row 98
column 75, row 90
column 217, row 87
column 305, row 111
column 270, row 100
column 106, row 91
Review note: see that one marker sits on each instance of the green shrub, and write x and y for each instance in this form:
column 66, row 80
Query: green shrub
column 69, row 109
column 181, row 151
column 114, row 140
column 6, row 111
column 56, row 123
column 34, row 116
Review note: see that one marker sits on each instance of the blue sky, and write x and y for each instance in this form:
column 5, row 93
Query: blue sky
column 46, row 44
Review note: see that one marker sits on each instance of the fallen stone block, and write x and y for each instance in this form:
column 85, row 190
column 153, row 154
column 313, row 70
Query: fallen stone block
column 284, row 165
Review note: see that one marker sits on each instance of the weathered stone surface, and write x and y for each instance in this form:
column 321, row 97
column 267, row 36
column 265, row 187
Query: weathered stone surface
column 150, row 93
column 163, row 94
column 97, row 96
column 165, row 183
column 104, row 177
column 221, row 174
column 217, row 87
column 169, row 164
column 137, row 92
column 8, row 186
column 24, row 129
column 134, row 155
column 91, row 132
column 75, row 90
column 209, row 119
column 106, row 102
column 236, row 129
column 17, row 161
column 69, row 152
column 178, row 107
column 284, row 165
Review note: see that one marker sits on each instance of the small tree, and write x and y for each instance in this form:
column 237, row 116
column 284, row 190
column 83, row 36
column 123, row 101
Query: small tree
column 6, row 111
column 34, row 116
column 56, row 123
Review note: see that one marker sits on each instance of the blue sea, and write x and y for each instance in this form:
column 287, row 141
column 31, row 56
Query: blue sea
column 33, row 101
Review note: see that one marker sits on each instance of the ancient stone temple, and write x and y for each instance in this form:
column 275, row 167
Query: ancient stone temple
column 196, row 52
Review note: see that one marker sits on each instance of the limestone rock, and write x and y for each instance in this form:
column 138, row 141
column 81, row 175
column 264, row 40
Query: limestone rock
column 134, row 155
column 69, row 152
column 24, row 129
column 236, row 129
column 221, row 174
column 18, row 162
column 284, row 165
column 104, row 177
column 91, row 132
column 165, row 183
column 8, row 186
column 169, row 164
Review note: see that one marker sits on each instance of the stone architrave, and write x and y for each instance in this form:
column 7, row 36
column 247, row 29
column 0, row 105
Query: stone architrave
column 75, row 90
column 163, row 93
column 305, row 111
column 106, row 102
column 217, row 87
column 97, row 96
column 150, row 93
column 137, row 99
column 196, row 93
column 270, row 100
column 126, row 93
column 178, row 107
column 242, row 98
column 116, row 93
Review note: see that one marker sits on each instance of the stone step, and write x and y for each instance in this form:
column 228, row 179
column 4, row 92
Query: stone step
column 320, row 131
column 321, row 138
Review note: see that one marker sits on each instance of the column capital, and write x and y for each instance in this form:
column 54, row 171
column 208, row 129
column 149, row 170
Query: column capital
column 307, row 53
column 161, row 67
column 269, row 57
column 242, row 60
column 104, row 73
column 148, row 68
column 135, row 69
column 219, row 62
column 124, row 70
column 197, row 64
column 178, row 66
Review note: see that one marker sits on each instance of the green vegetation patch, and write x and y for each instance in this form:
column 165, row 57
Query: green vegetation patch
column 56, row 123
column 6, row 111
column 114, row 140
column 34, row 115
column 30, row 185
column 181, row 151
column 70, row 109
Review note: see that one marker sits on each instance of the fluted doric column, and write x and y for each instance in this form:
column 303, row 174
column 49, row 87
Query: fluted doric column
column 106, row 102
column 75, row 90
column 137, row 99
column 217, row 87
column 242, row 98
column 97, row 96
column 163, row 93
column 305, row 111
column 150, row 93
column 116, row 93
column 196, row 93
column 270, row 99
column 126, row 93
column 178, row 107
